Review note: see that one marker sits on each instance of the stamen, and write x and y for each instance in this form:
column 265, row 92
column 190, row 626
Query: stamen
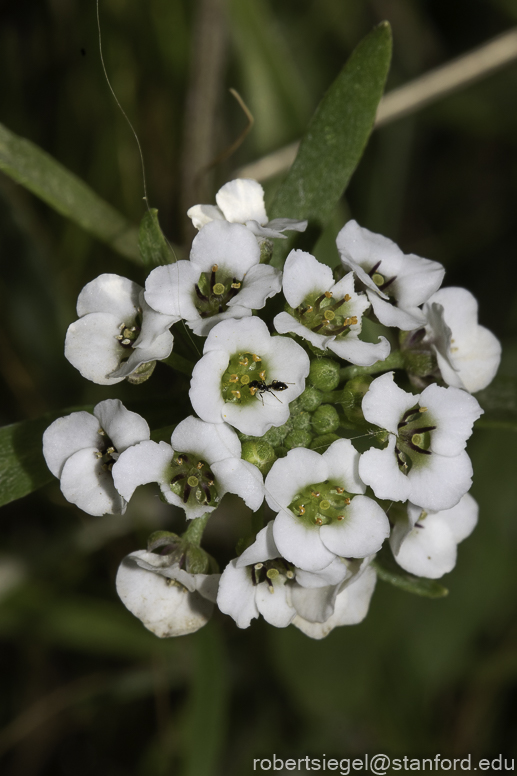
column 237, row 394
column 200, row 295
column 256, row 358
column 301, row 510
column 374, row 268
column 253, row 390
column 422, row 409
column 186, row 493
column 199, row 465
column 262, row 374
column 347, row 501
column 206, row 491
column 244, row 363
column 236, row 285
column 340, row 490
column 318, row 521
column 234, row 379
column 126, row 342
column 119, row 337
column 258, row 566
column 315, row 493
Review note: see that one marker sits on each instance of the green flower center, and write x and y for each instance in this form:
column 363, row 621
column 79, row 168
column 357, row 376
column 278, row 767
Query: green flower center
column 192, row 480
column 107, row 452
column 321, row 504
column 325, row 315
column 414, row 438
column 269, row 570
column 239, row 382
column 213, row 292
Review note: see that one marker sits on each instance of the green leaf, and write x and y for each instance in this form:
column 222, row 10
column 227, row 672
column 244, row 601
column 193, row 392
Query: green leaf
column 45, row 177
column 499, row 400
column 334, row 141
column 153, row 246
column 179, row 363
column 22, row 466
column 387, row 569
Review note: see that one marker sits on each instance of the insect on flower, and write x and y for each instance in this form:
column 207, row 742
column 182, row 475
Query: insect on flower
column 261, row 387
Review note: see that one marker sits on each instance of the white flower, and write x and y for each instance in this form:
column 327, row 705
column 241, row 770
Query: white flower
column 350, row 606
column 81, row 450
column 424, row 543
column 325, row 313
column 320, row 516
column 168, row 600
column 425, row 461
column 202, row 463
column 240, row 357
column 223, row 279
column 242, row 201
column 117, row 332
column 468, row 354
column 396, row 284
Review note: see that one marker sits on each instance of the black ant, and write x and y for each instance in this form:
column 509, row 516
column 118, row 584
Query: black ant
column 260, row 387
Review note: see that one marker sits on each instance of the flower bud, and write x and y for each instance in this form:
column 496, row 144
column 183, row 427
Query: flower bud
column 356, row 388
column 310, row 399
column 260, row 454
column 325, row 419
column 276, row 434
column 298, row 438
column 324, row 374
column 266, row 251
column 420, row 364
column 302, row 421
column 197, row 561
column 321, row 443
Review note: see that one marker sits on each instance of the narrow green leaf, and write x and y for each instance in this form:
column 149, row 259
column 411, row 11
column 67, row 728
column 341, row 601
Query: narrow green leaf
column 207, row 704
column 179, row 363
column 22, row 466
column 499, row 401
column 45, row 177
column 334, row 141
column 153, row 246
column 387, row 569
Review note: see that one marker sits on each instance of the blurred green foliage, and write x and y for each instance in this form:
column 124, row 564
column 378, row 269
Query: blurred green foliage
column 86, row 689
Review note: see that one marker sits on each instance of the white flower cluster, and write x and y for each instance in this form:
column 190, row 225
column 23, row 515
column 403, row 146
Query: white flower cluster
column 278, row 408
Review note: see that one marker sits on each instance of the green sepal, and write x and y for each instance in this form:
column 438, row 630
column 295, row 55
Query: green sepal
column 161, row 539
column 388, row 570
column 154, row 248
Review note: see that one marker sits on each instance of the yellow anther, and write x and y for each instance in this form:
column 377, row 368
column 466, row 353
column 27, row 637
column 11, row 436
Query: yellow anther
column 289, row 575
column 179, row 460
column 199, row 465
column 215, row 267
column 236, row 285
column 237, row 394
column 318, row 521
column 340, row 490
column 234, row 378
column 315, row 493
column 97, row 454
column 422, row 409
column 256, row 358
column 210, row 483
column 258, row 566
column 347, row 298
column 101, row 432
column 301, row 510
column 340, row 517
column 110, row 450
column 353, row 320
column 347, row 501
column 245, row 379
column 328, row 294
column 262, row 374
column 253, row 390
column 244, row 363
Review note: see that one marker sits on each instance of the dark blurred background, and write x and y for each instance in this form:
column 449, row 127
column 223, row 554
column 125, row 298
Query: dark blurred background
column 85, row 688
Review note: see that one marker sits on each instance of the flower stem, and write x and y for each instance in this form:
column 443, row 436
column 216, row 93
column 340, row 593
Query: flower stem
column 395, row 360
column 194, row 532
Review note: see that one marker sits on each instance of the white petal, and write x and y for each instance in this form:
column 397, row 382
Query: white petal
column 454, row 413
column 201, row 215
column 390, row 315
column 256, row 418
column 299, row 543
column 65, row 436
column 210, row 441
column 462, row 519
column 146, row 462
column 160, row 348
column 273, row 604
column 284, row 323
column 440, row 481
column 250, row 335
column 361, row 353
column 304, row 275
column 85, row 483
column 242, row 200
column 205, row 392
column 207, row 585
column 170, row 290
column 263, row 548
column 203, row 326
column 379, row 470
column 260, row 283
column 350, row 608
column 231, row 247
column 478, row 364
column 236, row 595
column 241, row 478
column 333, row 574
column 429, row 549
column 418, row 279
column 262, row 232
column 385, row 403
column 124, row 428
column 154, row 325
column 360, row 250
column 288, row 362
column 361, row 533
column 110, row 294
column 91, row 346
column 343, row 465
column 287, row 225
column 314, row 604
column 164, row 609
column 300, row 467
